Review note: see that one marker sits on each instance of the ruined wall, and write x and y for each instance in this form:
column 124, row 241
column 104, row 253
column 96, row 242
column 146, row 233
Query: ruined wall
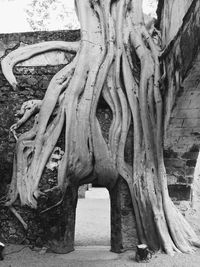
column 181, row 139
column 172, row 14
column 33, row 80
column 182, row 98
column 33, row 77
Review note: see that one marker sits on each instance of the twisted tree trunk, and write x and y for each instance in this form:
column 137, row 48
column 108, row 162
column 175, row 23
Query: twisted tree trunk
column 118, row 59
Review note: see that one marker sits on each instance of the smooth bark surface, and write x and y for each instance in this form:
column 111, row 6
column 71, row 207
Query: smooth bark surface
column 119, row 60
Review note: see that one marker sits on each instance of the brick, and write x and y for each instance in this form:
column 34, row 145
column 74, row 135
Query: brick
column 194, row 103
column 191, row 113
column 171, row 179
column 182, row 103
column 175, row 163
column 169, row 153
column 187, row 140
column 191, row 163
column 190, row 155
column 181, row 179
column 194, row 148
column 190, row 84
column 175, row 172
column 189, row 171
column 178, row 131
column 190, row 180
column 176, row 122
column 191, row 123
column 179, row 192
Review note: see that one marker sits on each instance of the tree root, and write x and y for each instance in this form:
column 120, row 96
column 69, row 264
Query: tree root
column 28, row 109
column 24, row 53
column 18, row 216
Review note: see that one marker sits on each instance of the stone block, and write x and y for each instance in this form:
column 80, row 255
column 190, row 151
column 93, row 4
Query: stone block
column 177, row 132
column 81, row 191
column 191, row 163
column 189, row 171
column 194, row 148
column 171, row 179
column 174, row 163
column 190, row 155
column 191, row 122
column 181, row 179
column 186, row 113
column 179, row 192
column 176, row 122
column 190, row 180
column 123, row 225
column 169, row 153
column 190, row 84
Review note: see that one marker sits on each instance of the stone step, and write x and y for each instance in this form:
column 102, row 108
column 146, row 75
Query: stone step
column 97, row 193
column 90, row 253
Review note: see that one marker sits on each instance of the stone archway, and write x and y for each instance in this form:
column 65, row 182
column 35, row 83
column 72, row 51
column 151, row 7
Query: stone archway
column 60, row 222
column 92, row 225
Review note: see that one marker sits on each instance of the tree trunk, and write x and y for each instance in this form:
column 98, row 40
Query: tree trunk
column 117, row 59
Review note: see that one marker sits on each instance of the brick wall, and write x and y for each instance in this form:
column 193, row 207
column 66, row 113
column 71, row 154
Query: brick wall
column 182, row 98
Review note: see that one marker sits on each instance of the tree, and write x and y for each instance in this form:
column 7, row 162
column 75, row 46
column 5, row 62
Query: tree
column 118, row 59
column 50, row 14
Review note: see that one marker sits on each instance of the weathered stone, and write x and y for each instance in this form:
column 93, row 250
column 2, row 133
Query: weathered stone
column 171, row 179
column 175, row 163
column 181, row 179
column 190, row 180
column 190, row 155
column 179, row 192
column 123, row 226
column 191, row 163
column 194, row 148
column 81, row 191
column 190, row 171
column 169, row 153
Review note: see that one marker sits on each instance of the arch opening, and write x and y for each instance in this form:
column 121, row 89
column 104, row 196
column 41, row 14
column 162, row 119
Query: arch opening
column 93, row 219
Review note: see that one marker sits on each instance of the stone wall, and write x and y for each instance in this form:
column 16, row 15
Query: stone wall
column 182, row 97
column 33, row 78
column 33, row 81
column 172, row 15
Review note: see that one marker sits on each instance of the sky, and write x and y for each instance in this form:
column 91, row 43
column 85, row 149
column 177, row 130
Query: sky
column 13, row 15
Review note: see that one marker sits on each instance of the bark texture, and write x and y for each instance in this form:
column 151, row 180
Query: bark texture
column 117, row 59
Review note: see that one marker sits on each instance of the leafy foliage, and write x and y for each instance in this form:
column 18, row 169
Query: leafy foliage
column 51, row 15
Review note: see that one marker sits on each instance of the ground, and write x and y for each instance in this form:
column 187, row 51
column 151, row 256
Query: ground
column 93, row 257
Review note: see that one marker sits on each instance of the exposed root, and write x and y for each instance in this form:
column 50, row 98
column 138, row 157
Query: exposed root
column 23, row 53
column 18, row 216
column 54, row 206
column 28, row 109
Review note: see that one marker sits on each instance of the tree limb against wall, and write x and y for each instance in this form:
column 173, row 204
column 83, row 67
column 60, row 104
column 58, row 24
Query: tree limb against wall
column 118, row 59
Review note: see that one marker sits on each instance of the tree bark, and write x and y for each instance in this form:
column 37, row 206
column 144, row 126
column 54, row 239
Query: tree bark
column 118, row 59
